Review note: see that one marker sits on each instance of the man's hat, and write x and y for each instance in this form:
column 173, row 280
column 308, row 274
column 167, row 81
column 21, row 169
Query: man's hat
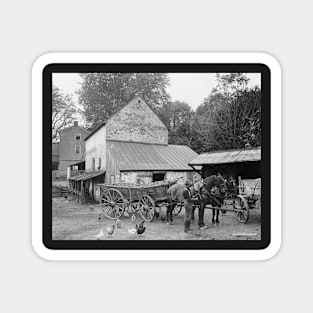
column 188, row 183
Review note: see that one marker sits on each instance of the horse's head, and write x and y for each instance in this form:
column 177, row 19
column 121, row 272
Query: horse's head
column 231, row 187
column 220, row 181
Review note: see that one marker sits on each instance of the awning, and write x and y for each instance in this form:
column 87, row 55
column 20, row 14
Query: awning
column 227, row 156
column 86, row 176
column 77, row 163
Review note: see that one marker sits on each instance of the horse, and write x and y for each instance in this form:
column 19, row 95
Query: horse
column 211, row 192
column 175, row 194
column 226, row 190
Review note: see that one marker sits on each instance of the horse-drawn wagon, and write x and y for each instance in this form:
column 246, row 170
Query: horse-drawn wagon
column 241, row 198
column 249, row 197
column 117, row 199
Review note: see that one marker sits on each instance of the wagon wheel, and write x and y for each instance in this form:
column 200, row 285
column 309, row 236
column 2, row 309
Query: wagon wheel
column 177, row 208
column 147, row 208
column 112, row 203
column 240, row 203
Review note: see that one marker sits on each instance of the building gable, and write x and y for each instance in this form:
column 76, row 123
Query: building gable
column 136, row 122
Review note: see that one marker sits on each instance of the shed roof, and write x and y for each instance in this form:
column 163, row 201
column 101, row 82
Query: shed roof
column 228, row 156
column 86, row 175
column 131, row 156
column 77, row 163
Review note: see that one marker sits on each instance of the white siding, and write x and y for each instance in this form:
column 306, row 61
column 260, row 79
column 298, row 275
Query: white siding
column 96, row 148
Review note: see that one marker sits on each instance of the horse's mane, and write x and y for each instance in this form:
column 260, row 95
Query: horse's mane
column 210, row 181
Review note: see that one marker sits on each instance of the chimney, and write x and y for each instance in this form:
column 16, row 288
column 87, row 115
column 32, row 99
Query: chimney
column 75, row 123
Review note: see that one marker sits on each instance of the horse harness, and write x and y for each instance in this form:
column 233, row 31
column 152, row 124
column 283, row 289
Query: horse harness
column 211, row 194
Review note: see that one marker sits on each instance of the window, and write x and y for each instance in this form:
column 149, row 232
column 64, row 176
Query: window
column 99, row 166
column 78, row 149
column 78, row 136
column 93, row 160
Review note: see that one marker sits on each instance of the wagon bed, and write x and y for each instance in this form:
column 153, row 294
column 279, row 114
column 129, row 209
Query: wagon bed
column 116, row 199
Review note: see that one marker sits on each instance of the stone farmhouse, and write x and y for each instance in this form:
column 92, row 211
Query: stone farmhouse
column 131, row 147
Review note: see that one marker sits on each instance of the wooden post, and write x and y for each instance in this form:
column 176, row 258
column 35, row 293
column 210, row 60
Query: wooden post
column 82, row 191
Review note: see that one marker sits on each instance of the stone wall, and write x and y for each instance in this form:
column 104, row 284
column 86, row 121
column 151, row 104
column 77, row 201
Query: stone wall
column 138, row 123
column 145, row 178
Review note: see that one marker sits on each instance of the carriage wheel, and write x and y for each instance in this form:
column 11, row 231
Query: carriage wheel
column 177, row 208
column 240, row 203
column 147, row 208
column 112, row 203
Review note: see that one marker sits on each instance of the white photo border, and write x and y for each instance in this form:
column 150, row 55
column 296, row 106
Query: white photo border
column 155, row 255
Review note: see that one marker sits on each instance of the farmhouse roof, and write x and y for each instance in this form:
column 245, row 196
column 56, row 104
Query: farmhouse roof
column 227, row 156
column 75, row 126
column 105, row 122
column 131, row 156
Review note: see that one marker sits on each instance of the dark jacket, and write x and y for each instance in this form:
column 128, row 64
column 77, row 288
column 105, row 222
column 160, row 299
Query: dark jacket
column 186, row 194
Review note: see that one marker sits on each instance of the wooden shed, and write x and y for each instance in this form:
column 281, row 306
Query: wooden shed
column 232, row 163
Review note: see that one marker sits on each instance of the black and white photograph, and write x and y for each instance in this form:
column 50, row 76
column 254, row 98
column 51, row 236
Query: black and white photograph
column 156, row 156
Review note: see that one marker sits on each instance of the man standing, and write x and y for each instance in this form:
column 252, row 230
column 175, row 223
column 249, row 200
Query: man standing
column 187, row 204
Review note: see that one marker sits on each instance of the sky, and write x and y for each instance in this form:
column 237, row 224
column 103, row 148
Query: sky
column 188, row 87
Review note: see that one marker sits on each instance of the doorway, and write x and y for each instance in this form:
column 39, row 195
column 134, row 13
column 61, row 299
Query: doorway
column 158, row 177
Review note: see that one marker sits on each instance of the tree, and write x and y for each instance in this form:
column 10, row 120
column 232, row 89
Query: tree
column 177, row 116
column 230, row 117
column 63, row 111
column 103, row 94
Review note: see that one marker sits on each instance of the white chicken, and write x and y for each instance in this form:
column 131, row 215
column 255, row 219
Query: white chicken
column 133, row 218
column 132, row 231
column 100, row 236
column 118, row 223
column 110, row 230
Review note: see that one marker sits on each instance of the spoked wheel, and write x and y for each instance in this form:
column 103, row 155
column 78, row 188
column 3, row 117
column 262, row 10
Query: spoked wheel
column 177, row 208
column 112, row 203
column 147, row 208
column 240, row 203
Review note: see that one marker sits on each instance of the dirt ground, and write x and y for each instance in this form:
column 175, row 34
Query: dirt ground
column 74, row 221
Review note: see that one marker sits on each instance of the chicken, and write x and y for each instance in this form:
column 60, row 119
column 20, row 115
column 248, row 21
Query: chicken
column 110, row 230
column 118, row 223
column 141, row 229
column 100, row 236
column 126, row 214
column 133, row 218
column 163, row 218
column 132, row 231
column 65, row 196
column 141, row 225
